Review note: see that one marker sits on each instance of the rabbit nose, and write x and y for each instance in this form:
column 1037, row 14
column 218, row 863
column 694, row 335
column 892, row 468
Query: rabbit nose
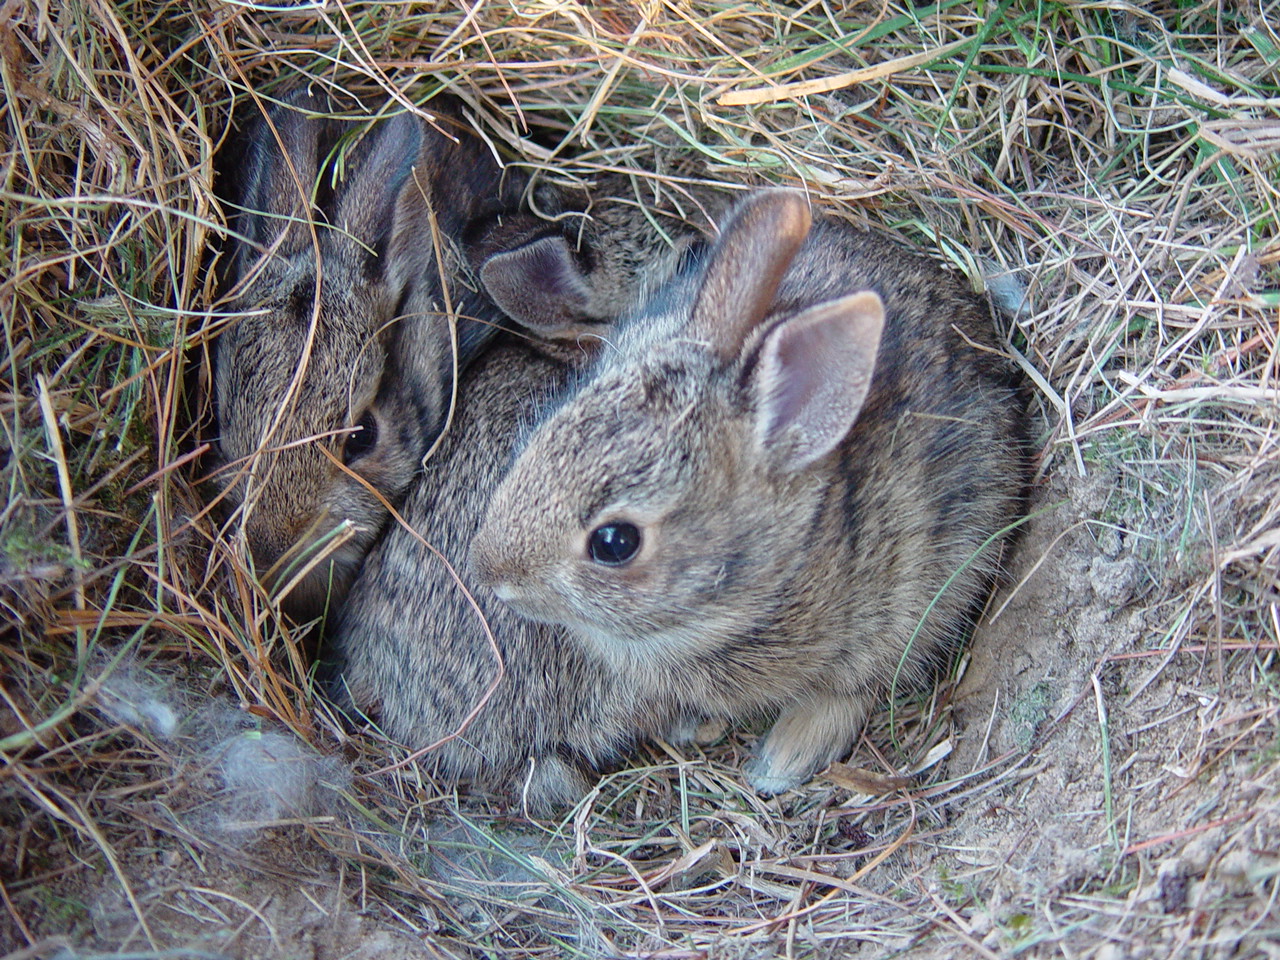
column 482, row 568
column 275, row 547
column 489, row 570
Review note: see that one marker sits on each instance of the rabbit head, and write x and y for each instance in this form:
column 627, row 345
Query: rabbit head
column 684, row 423
column 774, row 491
column 336, row 371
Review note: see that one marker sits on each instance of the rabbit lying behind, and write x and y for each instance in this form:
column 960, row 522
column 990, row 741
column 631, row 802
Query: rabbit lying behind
column 342, row 355
column 780, row 489
column 409, row 646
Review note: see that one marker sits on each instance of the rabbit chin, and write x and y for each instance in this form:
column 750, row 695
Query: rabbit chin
column 619, row 640
column 537, row 609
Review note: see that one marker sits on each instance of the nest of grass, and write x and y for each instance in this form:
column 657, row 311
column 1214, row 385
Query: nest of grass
column 1109, row 173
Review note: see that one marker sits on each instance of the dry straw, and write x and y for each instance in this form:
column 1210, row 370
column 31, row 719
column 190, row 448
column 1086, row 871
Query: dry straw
column 1110, row 172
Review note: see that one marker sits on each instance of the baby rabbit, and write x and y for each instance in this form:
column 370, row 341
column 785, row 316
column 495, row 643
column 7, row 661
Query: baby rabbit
column 409, row 645
column 780, row 489
column 337, row 372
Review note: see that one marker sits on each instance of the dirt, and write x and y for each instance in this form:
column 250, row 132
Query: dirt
column 278, row 899
column 1118, row 800
column 1072, row 666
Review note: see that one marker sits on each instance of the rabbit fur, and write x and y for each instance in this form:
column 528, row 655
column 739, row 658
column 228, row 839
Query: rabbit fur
column 408, row 647
column 341, row 352
column 778, row 493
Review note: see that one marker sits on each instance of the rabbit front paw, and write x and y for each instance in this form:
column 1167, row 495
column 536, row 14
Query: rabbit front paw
column 804, row 740
column 553, row 784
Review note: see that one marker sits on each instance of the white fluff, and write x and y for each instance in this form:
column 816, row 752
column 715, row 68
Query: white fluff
column 1008, row 292
column 268, row 776
column 255, row 776
column 138, row 703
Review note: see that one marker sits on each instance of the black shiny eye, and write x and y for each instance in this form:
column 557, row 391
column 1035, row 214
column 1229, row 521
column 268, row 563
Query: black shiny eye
column 364, row 439
column 614, row 544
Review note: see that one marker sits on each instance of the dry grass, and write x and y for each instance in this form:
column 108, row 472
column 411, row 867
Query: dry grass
column 1113, row 170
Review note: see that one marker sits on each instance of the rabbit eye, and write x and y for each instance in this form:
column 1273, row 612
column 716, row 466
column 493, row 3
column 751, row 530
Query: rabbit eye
column 614, row 544
column 363, row 440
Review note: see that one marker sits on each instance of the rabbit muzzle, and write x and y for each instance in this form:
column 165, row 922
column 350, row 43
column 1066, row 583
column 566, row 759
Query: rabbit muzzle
column 308, row 572
column 509, row 580
column 498, row 577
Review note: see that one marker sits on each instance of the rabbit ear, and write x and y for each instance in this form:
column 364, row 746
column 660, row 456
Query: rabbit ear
column 382, row 203
column 746, row 266
column 277, row 173
column 539, row 285
column 812, row 378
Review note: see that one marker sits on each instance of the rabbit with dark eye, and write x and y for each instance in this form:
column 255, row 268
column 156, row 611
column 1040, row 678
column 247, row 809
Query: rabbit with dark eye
column 780, row 491
column 518, row 708
column 337, row 371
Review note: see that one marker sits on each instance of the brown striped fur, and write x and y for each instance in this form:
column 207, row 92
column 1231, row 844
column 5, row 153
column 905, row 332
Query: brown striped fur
column 817, row 441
